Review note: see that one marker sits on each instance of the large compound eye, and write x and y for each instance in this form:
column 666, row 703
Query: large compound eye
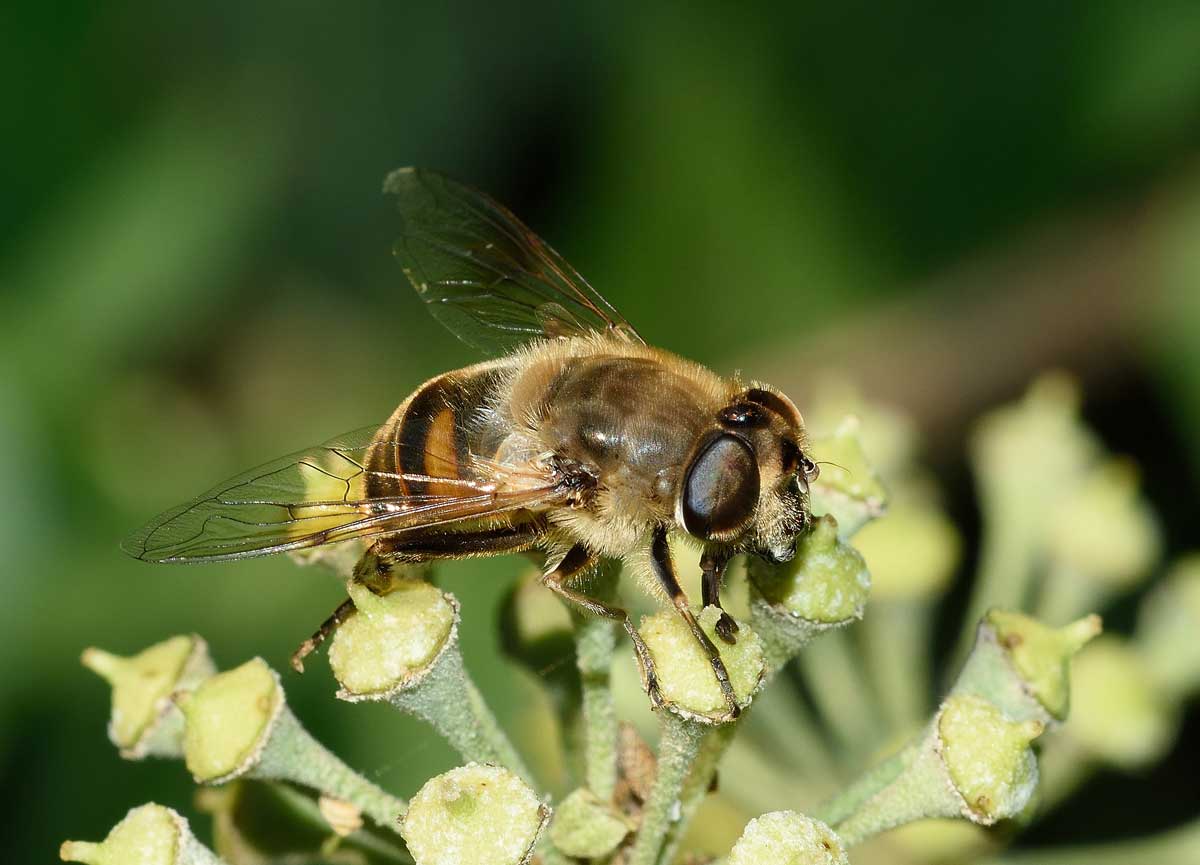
column 720, row 488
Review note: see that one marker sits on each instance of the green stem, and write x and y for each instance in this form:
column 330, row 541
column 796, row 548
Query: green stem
column 596, row 640
column 896, row 642
column 842, row 693
column 1005, row 568
column 446, row 697
column 595, row 643
column 911, row 788
column 717, row 742
column 677, row 752
column 294, row 755
column 851, row 798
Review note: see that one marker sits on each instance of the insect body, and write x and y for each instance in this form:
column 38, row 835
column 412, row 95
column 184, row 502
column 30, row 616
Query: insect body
column 580, row 441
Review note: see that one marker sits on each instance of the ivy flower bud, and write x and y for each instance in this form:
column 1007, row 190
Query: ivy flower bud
column 144, row 720
column 1104, row 531
column 1041, row 656
column 393, row 640
column 974, row 761
column 848, row 487
column 238, row 724
column 1167, row 626
column 149, row 835
column 788, row 838
column 474, row 815
column 987, row 758
column 402, row 648
column 1027, row 454
column 1121, row 717
column 824, row 586
column 686, row 682
column 229, row 721
column 586, row 828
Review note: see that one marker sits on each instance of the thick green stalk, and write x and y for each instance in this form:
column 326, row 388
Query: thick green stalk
column 595, row 643
column 677, row 753
column 295, row 755
column 447, row 698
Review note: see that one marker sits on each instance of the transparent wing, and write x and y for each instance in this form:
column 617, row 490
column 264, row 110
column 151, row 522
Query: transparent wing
column 320, row 496
column 488, row 278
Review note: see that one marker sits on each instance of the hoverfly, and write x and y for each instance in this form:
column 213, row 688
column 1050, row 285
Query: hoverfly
column 578, row 442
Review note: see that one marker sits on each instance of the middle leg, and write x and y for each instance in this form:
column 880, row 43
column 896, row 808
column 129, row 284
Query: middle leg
column 579, row 561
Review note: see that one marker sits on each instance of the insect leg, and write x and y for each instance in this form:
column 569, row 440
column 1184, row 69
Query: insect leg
column 664, row 569
column 712, row 567
column 578, row 561
column 344, row 611
column 374, row 569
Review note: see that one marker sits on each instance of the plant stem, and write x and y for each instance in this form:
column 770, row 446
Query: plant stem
column 842, row 693
column 1005, row 569
column 447, row 698
column 851, row 798
column 296, row 756
column 896, row 641
column 595, row 643
column 677, row 752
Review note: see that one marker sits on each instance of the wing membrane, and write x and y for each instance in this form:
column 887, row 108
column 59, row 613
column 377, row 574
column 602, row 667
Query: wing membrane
column 320, row 496
column 485, row 275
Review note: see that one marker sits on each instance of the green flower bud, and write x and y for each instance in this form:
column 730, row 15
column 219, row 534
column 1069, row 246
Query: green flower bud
column 787, row 838
column 586, row 828
column 848, row 488
column 912, row 554
column 826, row 583
column 149, row 835
column 144, row 720
column 1167, row 626
column 238, row 724
column 474, row 815
column 229, row 720
column 1120, row 716
column 392, row 641
column 1027, row 454
column 1104, row 530
column 402, row 648
column 1042, row 656
column 988, row 758
column 685, row 677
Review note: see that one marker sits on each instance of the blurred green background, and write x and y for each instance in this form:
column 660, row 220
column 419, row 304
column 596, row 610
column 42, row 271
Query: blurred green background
column 938, row 198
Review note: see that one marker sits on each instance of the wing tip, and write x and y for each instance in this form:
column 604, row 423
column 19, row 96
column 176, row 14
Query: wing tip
column 394, row 182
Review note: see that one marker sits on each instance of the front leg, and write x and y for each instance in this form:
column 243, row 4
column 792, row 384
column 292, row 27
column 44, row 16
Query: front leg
column 712, row 567
column 664, row 569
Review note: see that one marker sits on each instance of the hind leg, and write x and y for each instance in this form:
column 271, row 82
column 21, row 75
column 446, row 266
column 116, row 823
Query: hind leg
column 374, row 569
